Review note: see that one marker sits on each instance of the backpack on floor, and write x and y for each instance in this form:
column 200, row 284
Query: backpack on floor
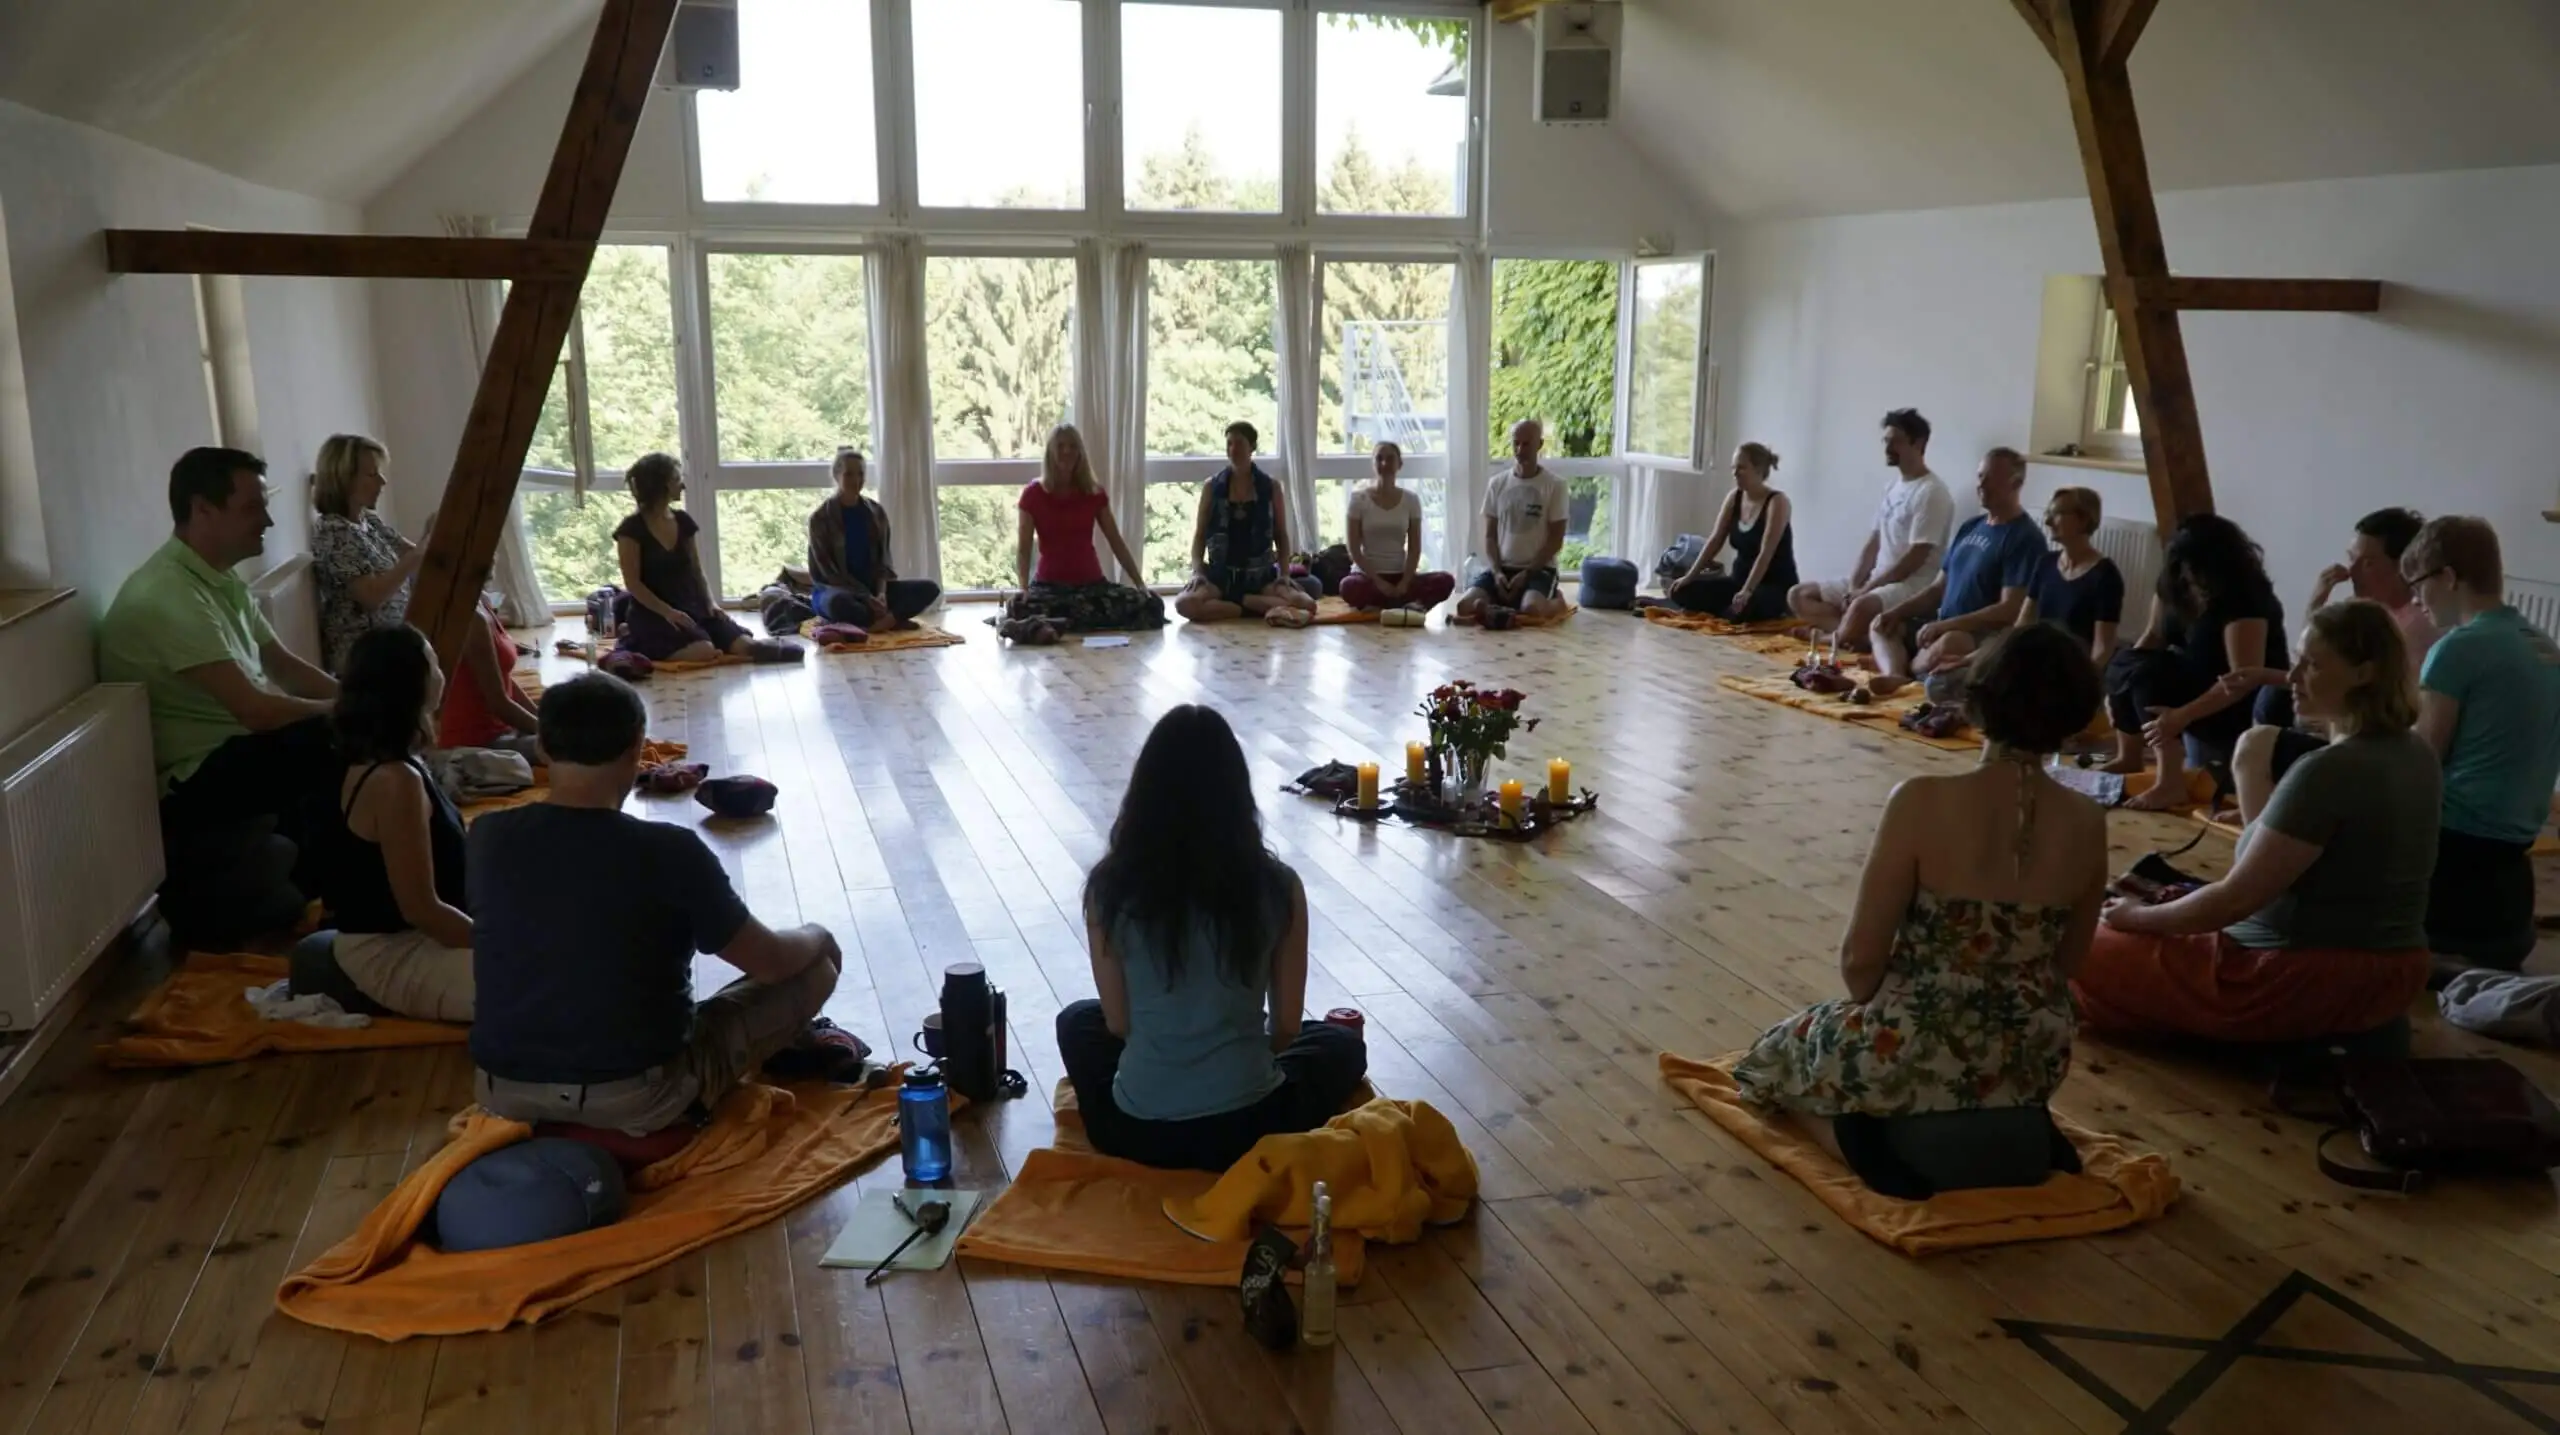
column 1329, row 568
column 1679, row 558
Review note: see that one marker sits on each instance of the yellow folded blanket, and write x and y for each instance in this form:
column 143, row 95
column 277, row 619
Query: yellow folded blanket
column 1714, row 626
column 1337, row 610
column 198, row 1017
column 1392, row 1168
column 1881, row 715
column 1523, row 620
column 2116, row 1187
column 1071, row 1210
column 766, row 1151
column 676, row 667
column 922, row 635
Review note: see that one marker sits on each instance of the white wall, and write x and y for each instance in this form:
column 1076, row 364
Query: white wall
column 115, row 382
column 1571, row 187
column 2443, row 401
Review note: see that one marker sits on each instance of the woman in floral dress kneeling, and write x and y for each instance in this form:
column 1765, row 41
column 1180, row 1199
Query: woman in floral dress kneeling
column 1976, row 904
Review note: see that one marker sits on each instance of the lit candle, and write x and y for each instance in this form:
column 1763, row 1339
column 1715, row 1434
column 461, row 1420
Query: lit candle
column 1510, row 802
column 1559, row 781
column 1368, row 785
column 1413, row 763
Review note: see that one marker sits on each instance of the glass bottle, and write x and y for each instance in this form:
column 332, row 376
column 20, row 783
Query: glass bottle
column 1315, row 1316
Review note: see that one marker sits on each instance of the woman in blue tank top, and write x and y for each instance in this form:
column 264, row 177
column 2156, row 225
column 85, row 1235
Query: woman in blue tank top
column 1196, row 1047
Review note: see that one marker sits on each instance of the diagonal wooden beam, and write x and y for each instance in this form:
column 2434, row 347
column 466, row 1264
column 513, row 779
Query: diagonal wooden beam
column 2118, row 29
column 348, row 256
column 2338, row 296
column 2039, row 19
column 2155, row 351
column 585, row 169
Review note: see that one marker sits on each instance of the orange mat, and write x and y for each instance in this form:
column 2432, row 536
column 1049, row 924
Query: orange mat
column 1792, row 651
column 1882, row 715
column 1716, row 627
column 922, row 635
column 765, row 1152
column 2117, row 1187
column 1336, row 610
column 198, row 1017
column 1524, row 620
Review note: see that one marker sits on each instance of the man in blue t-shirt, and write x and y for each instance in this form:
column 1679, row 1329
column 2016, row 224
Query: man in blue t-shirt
column 584, row 924
column 2489, row 702
column 1990, row 566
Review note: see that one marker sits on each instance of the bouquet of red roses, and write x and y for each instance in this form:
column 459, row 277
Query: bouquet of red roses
column 1471, row 726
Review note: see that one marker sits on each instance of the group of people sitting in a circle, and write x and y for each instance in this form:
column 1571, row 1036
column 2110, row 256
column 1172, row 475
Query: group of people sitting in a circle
column 2392, row 775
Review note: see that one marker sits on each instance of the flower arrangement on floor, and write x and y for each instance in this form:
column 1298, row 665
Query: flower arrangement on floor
column 1470, row 727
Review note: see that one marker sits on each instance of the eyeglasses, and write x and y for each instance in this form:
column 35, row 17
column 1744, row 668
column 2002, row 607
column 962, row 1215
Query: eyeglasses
column 2437, row 572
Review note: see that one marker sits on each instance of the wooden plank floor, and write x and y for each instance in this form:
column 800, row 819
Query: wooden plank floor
column 1631, row 1269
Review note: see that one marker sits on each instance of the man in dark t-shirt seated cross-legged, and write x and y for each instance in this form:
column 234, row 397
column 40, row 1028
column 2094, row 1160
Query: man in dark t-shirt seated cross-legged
column 585, row 922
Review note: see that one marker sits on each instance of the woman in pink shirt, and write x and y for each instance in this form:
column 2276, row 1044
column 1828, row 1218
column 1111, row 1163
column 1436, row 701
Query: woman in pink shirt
column 1065, row 590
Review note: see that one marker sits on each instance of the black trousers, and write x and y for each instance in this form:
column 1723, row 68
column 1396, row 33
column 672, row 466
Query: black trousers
column 2480, row 905
column 1713, row 595
column 906, row 598
column 275, row 774
column 2140, row 679
column 1318, row 1073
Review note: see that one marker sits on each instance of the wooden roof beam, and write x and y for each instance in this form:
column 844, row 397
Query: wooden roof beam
column 2338, row 296
column 2119, row 28
column 2040, row 20
column 345, row 256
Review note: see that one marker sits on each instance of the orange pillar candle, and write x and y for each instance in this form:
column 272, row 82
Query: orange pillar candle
column 1413, row 754
column 1511, row 802
column 1559, row 781
column 1368, row 785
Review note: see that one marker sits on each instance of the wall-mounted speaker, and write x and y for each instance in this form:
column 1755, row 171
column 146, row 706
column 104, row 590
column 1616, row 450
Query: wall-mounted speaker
column 702, row 49
column 1577, row 71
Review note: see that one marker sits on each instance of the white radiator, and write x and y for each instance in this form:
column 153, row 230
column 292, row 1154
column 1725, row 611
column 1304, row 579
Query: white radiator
column 2135, row 547
column 79, row 844
column 2538, row 601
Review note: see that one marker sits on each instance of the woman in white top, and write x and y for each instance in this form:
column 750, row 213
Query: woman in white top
column 1386, row 544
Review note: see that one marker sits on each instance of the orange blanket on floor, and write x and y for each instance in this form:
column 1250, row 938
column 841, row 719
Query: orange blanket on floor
column 1791, row 651
column 922, row 635
column 653, row 751
column 198, row 1017
column 1714, row 626
column 1337, row 610
column 1881, row 715
column 765, row 1152
column 674, row 668
column 2116, row 1187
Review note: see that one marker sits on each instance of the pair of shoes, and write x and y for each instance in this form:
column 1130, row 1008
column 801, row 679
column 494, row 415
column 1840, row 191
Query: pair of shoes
column 1824, row 678
column 825, row 1050
column 667, row 778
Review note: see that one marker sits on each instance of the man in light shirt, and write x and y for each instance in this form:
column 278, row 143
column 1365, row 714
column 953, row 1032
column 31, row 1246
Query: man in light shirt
column 1904, row 550
column 1524, row 521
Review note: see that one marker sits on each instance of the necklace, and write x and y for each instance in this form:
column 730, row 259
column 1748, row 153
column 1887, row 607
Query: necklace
column 2029, row 766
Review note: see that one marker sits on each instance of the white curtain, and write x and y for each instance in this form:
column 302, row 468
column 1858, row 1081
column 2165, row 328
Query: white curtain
column 1470, row 394
column 902, row 408
column 1645, row 518
column 521, row 602
column 1298, row 385
column 1111, row 380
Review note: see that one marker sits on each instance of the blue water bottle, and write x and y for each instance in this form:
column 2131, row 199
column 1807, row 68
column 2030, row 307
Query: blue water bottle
column 924, row 1127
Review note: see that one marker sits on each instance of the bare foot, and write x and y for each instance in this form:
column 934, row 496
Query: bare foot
column 2127, row 765
column 1288, row 617
column 1885, row 685
column 2158, row 798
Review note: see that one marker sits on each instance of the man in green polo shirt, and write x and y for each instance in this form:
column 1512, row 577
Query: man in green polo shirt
column 239, row 725
column 2489, row 702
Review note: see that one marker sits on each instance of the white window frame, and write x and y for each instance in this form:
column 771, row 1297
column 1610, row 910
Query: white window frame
column 1629, row 456
column 2105, row 368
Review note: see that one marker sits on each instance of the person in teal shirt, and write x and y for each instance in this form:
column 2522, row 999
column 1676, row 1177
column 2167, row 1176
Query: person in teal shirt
column 239, row 723
column 2489, row 703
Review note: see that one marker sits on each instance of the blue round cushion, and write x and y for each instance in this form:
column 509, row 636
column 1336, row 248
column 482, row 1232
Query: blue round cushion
column 1608, row 582
column 537, row 1190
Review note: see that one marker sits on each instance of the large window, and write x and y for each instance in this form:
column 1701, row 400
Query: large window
column 623, row 357
column 2113, row 426
column 1000, row 349
column 1384, row 376
column 1662, row 363
column 800, row 127
column 1392, row 115
column 1200, row 108
column 1172, row 510
column 999, row 104
column 790, row 356
column 1212, row 353
column 1555, row 353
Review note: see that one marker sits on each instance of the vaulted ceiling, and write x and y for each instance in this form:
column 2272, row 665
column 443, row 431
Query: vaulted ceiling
column 1773, row 108
column 1757, row 108
column 322, row 97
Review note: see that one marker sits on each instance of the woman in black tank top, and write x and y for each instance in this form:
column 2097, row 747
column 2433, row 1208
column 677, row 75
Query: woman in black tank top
column 387, row 849
column 1757, row 520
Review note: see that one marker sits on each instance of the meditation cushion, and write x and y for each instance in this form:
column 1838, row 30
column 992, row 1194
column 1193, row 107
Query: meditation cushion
column 538, row 1190
column 1608, row 582
column 627, row 665
column 1309, row 585
column 737, row 796
column 315, row 972
column 633, row 1154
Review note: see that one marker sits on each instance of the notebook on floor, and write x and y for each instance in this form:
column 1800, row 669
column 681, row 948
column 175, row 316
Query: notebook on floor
column 878, row 1225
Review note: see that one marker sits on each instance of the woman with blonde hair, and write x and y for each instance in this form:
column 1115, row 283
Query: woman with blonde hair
column 362, row 564
column 1065, row 590
column 2079, row 589
column 1756, row 520
column 2319, row 930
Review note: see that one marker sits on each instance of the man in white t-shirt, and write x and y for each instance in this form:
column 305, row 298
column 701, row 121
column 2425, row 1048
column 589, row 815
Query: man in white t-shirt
column 1524, row 518
column 1903, row 551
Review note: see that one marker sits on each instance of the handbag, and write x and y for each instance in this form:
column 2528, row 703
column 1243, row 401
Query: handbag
column 2423, row 1115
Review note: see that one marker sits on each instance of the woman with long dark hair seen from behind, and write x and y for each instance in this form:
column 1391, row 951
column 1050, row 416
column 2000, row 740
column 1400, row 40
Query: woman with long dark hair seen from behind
column 1196, row 1047
column 386, row 847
